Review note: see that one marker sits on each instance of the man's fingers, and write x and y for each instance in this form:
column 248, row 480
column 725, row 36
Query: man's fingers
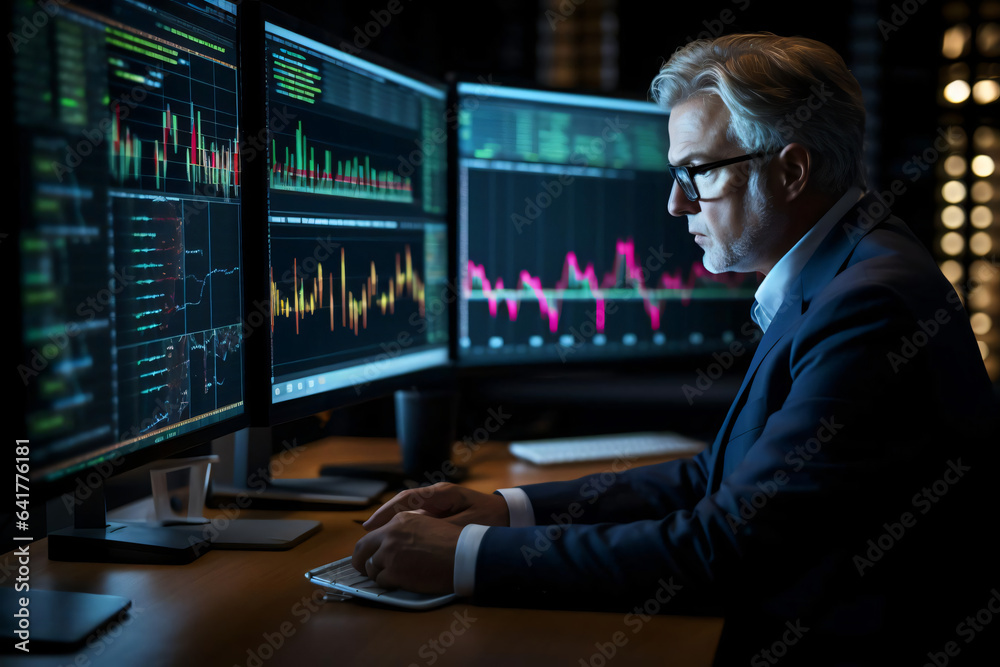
column 383, row 514
column 365, row 549
column 370, row 568
column 424, row 500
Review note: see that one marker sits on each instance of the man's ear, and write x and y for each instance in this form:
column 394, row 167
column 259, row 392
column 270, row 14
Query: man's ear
column 793, row 170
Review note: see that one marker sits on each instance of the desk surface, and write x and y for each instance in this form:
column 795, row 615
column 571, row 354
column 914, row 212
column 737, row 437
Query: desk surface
column 256, row 608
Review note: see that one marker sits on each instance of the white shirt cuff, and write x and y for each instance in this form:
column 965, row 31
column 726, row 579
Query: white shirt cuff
column 466, row 552
column 519, row 507
column 467, row 549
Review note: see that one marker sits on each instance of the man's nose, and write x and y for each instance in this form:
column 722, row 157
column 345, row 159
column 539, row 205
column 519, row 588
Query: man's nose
column 678, row 204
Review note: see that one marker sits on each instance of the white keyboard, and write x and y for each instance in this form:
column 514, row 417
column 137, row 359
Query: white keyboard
column 604, row 447
column 341, row 576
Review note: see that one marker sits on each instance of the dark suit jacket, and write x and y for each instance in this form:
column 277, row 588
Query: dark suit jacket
column 834, row 518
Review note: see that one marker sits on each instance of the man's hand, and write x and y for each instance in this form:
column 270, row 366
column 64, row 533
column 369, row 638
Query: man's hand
column 455, row 504
column 412, row 551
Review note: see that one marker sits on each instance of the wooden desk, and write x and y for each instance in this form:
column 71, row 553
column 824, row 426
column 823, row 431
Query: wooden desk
column 256, row 608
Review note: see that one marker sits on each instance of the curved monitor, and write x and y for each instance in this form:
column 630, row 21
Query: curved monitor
column 356, row 267
column 566, row 251
column 128, row 266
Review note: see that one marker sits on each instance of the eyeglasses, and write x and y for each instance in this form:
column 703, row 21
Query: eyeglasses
column 685, row 175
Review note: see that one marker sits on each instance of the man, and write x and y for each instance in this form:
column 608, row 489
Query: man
column 831, row 516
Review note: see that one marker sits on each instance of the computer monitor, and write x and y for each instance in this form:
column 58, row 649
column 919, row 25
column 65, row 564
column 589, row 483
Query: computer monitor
column 566, row 250
column 127, row 258
column 351, row 185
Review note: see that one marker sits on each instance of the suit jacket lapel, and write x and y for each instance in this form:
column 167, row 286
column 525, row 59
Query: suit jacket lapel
column 828, row 260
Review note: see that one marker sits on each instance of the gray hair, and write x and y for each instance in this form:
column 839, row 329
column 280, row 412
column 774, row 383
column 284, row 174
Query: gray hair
column 778, row 90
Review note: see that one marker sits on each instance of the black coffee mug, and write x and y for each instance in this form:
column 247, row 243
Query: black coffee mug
column 425, row 429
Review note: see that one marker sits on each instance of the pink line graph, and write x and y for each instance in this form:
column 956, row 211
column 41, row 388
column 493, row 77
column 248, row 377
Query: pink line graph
column 625, row 268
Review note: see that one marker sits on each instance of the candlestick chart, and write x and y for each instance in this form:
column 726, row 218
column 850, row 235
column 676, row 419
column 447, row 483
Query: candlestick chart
column 173, row 117
column 351, row 134
column 330, row 304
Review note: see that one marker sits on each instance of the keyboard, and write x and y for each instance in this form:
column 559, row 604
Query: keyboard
column 604, row 447
column 341, row 576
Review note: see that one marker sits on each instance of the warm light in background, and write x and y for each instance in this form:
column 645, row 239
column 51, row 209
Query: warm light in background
column 968, row 177
column 954, row 166
column 984, row 137
column 953, row 191
column 956, row 41
column 952, row 217
column 982, row 192
column 982, row 166
column 988, row 39
column 981, row 217
column 980, row 243
column 952, row 270
column 983, row 272
column 980, row 299
column 952, row 243
column 986, row 91
column 981, row 323
column 957, row 91
column 956, row 136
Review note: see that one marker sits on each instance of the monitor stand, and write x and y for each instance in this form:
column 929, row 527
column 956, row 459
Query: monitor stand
column 245, row 480
column 168, row 540
column 94, row 539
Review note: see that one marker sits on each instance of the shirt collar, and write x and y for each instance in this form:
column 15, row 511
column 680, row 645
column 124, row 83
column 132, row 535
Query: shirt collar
column 772, row 290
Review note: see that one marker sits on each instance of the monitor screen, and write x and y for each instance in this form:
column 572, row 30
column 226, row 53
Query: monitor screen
column 356, row 221
column 127, row 155
column 566, row 251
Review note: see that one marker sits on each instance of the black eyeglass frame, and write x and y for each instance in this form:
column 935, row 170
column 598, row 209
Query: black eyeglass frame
column 690, row 188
